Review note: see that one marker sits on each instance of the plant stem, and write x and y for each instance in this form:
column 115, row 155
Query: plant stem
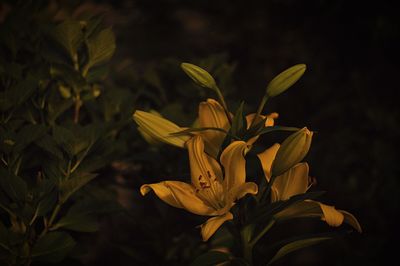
column 247, row 248
column 262, row 233
column 222, row 100
column 260, row 108
column 78, row 104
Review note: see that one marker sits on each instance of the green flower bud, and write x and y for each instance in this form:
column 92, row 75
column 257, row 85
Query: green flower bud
column 158, row 128
column 199, row 75
column 285, row 80
column 292, row 151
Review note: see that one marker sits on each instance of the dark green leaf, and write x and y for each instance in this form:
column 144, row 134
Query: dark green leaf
column 100, row 47
column 13, row 186
column 197, row 129
column 78, row 222
column 48, row 144
column 210, row 258
column 266, row 210
column 238, row 122
column 69, row 35
column 69, row 75
column 53, row 247
column 27, row 135
column 70, row 186
column 296, row 245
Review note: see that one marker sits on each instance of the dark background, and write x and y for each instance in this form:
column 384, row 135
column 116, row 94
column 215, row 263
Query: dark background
column 348, row 94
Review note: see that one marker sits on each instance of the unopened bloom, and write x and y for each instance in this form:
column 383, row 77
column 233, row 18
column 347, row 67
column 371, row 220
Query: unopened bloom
column 210, row 193
column 292, row 151
column 295, row 181
column 156, row 127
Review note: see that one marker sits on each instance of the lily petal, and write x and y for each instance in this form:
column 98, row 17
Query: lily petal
column 211, row 225
column 160, row 128
column 202, row 172
column 163, row 192
column 212, row 114
column 244, row 189
column 267, row 157
column 232, row 158
column 180, row 195
column 292, row 182
column 330, row 215
column 269, row 122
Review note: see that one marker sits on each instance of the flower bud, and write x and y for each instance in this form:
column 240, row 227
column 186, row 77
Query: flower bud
column 199, row 75
column 285, row 80
column 292, row 151
column 158, row 128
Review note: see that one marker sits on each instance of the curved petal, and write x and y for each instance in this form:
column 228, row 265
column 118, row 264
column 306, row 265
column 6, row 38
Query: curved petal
column 160, row 128
column 244, row 189
column 163, row 192
column 211, row 225
column 232, row 158
column 351, row 220
column 269, row 122
column 212, row 114
column 330, row 215
column 267, row 157
column 180, row 195
column 201, row 171
column 310, row 208
column 292, row 182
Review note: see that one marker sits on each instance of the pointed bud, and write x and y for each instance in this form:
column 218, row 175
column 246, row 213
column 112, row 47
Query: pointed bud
column 159, row 128
column 199, row 75
column 285, row 80
column 292, row 151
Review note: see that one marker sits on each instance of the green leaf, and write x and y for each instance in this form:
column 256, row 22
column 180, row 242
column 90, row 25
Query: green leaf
column 296, row 245
column 48, row 144
column 78, row 222
column 47, row 195
column 238, row 122
column 285, row 80
column 53, row 247
column 13, row 186
column 100, row 47
column 27, row 135
column 70, row 186
column 69, row 35
column 210, row 258
column 265, row 211
column 197, row 129
column 277, row 128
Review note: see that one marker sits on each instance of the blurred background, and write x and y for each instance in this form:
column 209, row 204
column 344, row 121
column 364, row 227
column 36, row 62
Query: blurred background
column 348, row 95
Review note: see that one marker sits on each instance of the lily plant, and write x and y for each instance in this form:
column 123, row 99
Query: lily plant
column 217, row 151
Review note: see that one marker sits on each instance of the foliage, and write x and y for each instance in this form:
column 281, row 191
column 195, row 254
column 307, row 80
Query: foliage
column 54, row 134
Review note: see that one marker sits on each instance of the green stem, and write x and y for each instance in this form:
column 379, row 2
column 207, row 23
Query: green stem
column 247, row 248
column 260, row 108
column 222, row 101
column 262, row 233
column 52, row 218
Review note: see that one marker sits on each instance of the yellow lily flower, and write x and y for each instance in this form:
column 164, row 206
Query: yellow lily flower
column 212, row 114
column 295, row 181
column 210, row 193
column 155, row 127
